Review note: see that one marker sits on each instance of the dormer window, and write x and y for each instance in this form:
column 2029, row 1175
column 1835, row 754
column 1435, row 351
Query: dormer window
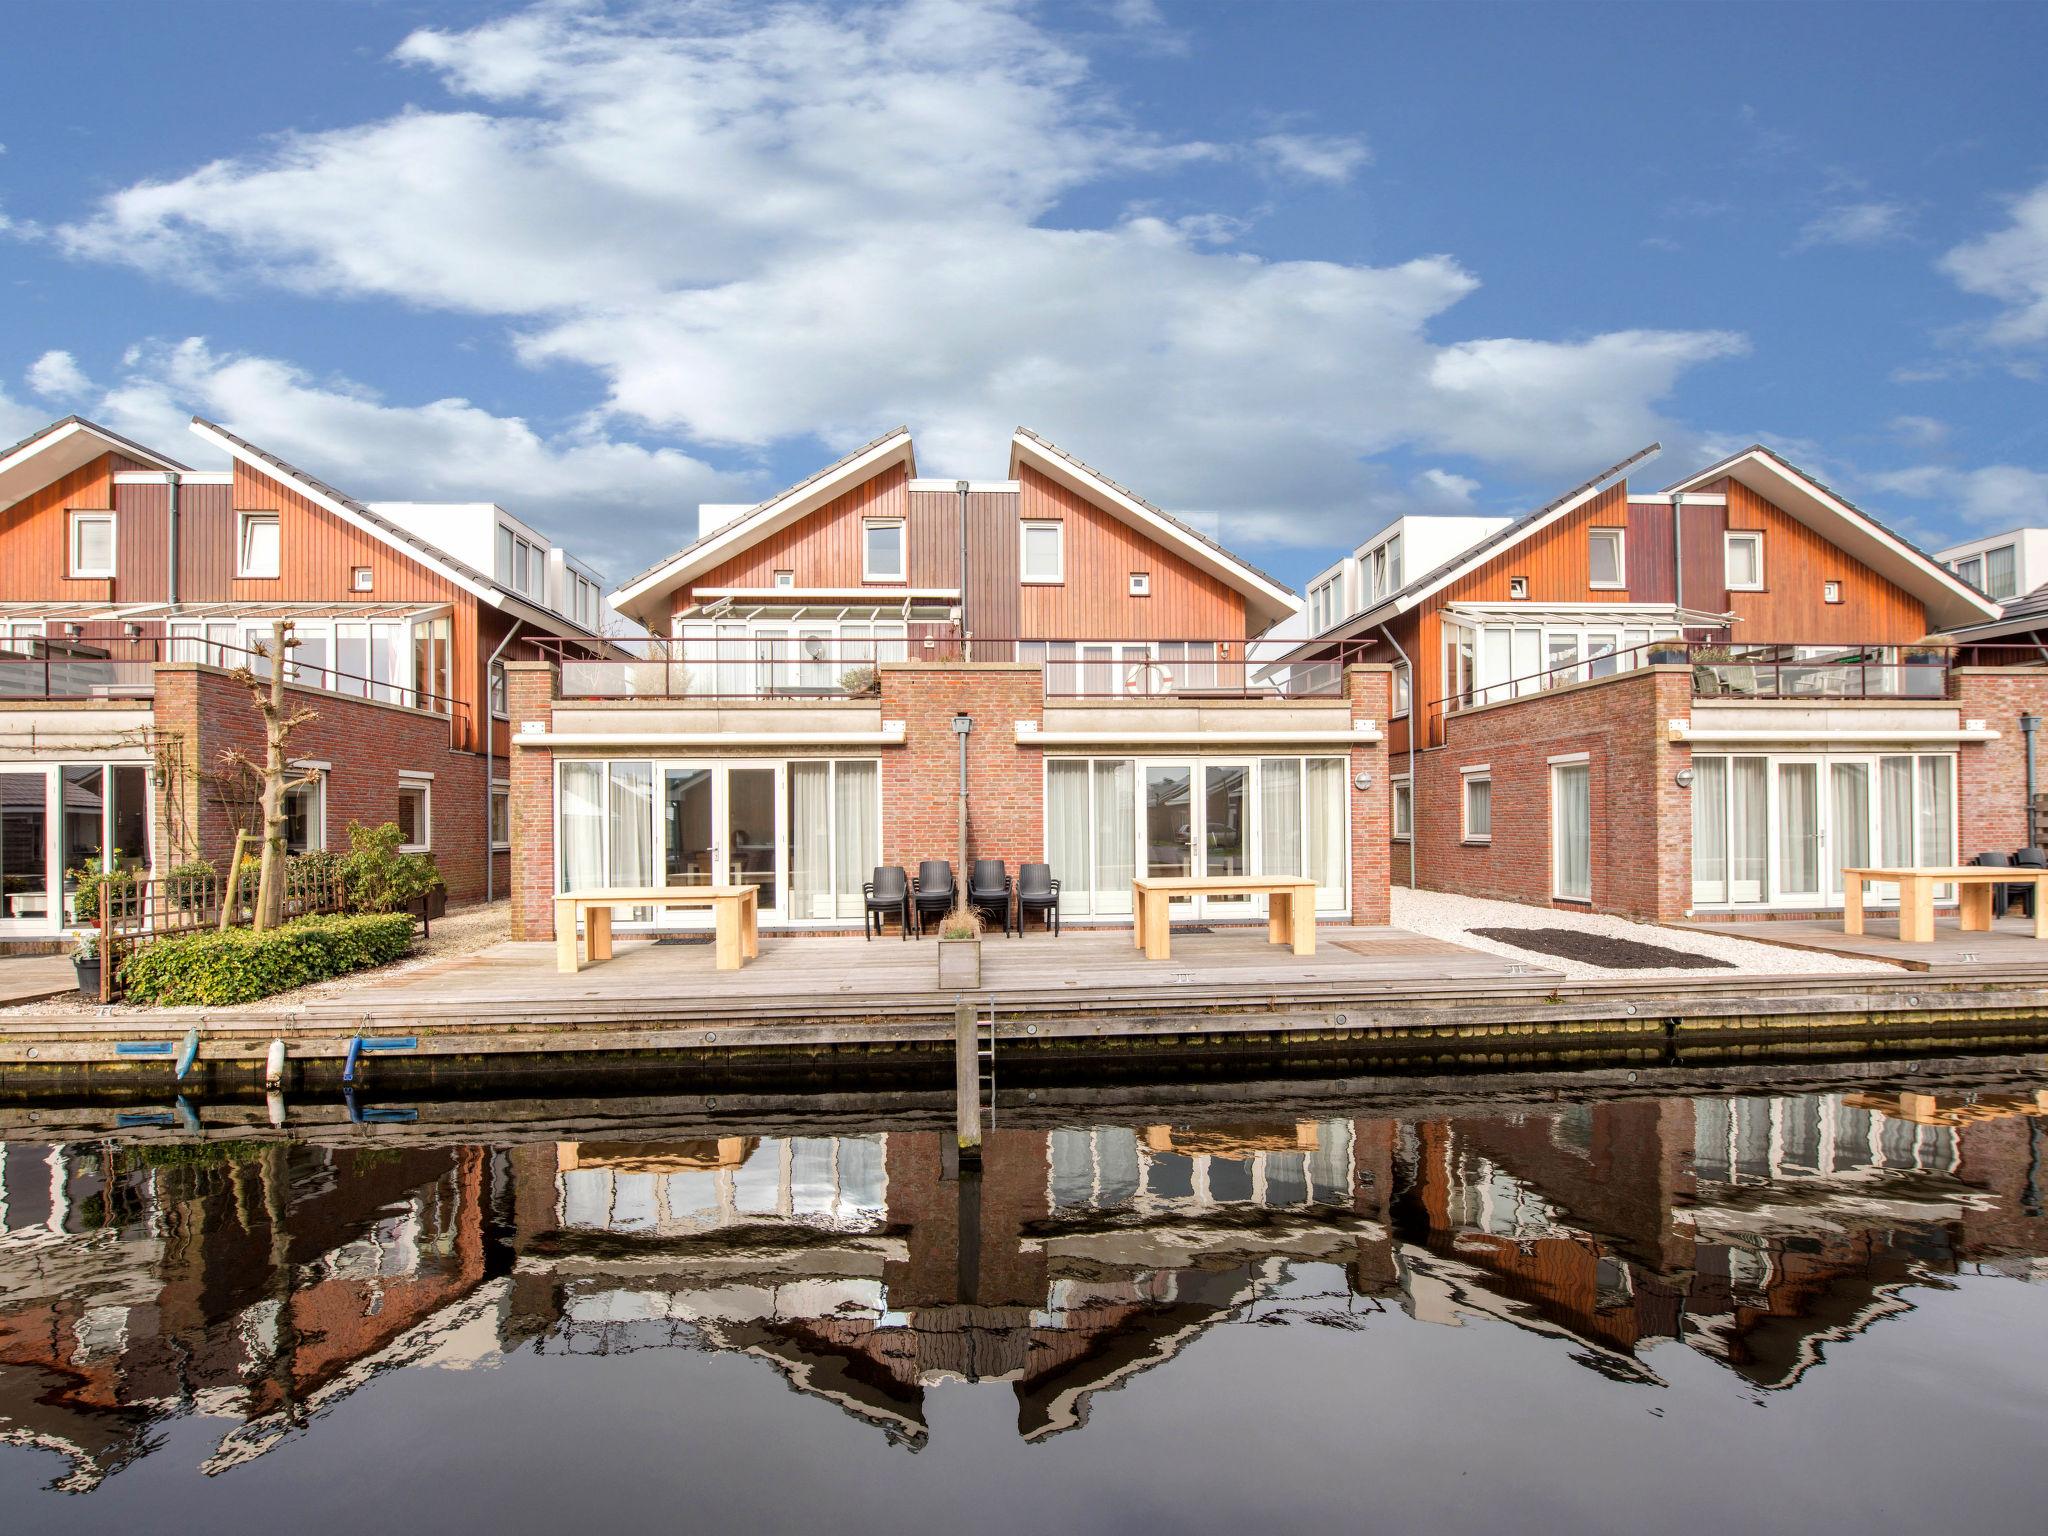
column 92, row 544
column 1604, row 565
column 881, row 550
column 259, row 547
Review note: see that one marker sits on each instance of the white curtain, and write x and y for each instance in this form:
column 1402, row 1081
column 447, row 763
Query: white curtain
column 1574, row 831
column 1280, row 816
column 1328, row 827
column 857, row 840
column 1068, row 832
column 1895, row 811
column 810, row 840
column 1798, row 828
column 582, row 822
column 1937, row 813
column 1748, row 848
column 632, row 823
column 1849, row 820
column 1709, row 829
column 1116, row 836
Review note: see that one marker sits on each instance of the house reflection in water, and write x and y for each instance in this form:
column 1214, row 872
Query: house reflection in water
column 259, row 1284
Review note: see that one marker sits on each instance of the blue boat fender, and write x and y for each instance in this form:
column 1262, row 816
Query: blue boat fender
column 189, row 1052
column 355, row 1054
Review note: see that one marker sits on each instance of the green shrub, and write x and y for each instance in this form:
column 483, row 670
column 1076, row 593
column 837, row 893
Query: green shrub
column 215, row 969
column 376, row 877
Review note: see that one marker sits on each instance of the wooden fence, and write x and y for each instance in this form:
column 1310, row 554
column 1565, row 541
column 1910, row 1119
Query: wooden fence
column 132, row 913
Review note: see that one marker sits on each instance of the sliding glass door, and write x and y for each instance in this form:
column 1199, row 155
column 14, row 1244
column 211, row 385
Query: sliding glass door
column 27, row 870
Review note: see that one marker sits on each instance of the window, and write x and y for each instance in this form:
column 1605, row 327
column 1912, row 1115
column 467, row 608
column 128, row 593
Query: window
column 784, row 580
column 1325, row 604
column 500, row 695
column 1478, row 817
column 430, row 665
column 1403, row 688
column 305, row 814
column 1141, row 583
column 505, row 546
column 501, row 815
column 1604, row 565
column 1831, row 591
column 1518, row 586
column 2001, row 573
column 1040, row 562
column 1743, row 561
column 881, row 550
column 361, row 579
column 1571, row 831
column 1972, row 571
column 1404, row 809
column 259, row 548
column 522, row 564
column 92, row 544
column 415, row 813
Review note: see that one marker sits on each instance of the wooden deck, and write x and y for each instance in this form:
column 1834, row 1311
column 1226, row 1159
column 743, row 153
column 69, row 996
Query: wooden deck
column 2008, row 944
column 33, row 978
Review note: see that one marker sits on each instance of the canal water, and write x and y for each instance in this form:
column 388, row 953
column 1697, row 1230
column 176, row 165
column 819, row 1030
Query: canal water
column 1546, row 1308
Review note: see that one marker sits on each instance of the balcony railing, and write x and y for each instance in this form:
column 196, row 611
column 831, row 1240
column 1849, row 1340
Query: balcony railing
column 770, row 667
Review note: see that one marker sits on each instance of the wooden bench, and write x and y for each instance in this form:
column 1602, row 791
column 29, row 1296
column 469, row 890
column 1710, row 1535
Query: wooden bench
column 1974, row 888
column 735, row 909
column 1290, row 907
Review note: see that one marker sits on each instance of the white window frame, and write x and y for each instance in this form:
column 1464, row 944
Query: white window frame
column 409, row 779
column 785, row 581
column 362, row 578
column 501, row 792
column 1971, row 570
column 244, row 521
column 1403, row 789
column 1141, row 583
column 868, row 572
column 1733, row 537
column 1831, row 592
column 1024, row 531
column 1620, row 537
column 1403, row 689
column 2002, row 549
column 320, row 772
column 1582, row 761
column 80, row 572
column 1481, row 773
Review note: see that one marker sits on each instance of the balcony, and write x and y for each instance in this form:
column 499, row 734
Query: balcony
column 799, row 667
column 35, row 669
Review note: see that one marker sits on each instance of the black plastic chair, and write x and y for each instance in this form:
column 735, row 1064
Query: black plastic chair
column 933, row 892
column 988, row 889
column 888, row 892
column 1038, row 892
column 2029, row 858
column 2001, row 895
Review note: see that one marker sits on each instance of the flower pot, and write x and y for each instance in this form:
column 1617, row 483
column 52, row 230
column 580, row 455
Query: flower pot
column 88, row 973
column 959, row 963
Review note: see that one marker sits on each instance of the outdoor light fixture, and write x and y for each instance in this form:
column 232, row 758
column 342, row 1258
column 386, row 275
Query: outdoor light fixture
column 132, row 630
column 962, row 724
column 1362, row 781
column 1683, row 778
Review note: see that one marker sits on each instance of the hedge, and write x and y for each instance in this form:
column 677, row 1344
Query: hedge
column 214, row 969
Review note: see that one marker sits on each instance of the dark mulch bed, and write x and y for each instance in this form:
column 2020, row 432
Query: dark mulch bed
column 1602, row 950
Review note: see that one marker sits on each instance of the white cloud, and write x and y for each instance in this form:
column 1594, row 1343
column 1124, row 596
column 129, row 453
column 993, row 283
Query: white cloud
column 18, row 420
column 2011, row 266
column 1314, row 156
column 1866, row 223
column 604, row 498
column 1998, row 495
column 1919, row 431
column 56, row 376
column 760, row 227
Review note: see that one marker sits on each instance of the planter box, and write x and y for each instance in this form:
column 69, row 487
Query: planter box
column 960, row 963
column 430, row 906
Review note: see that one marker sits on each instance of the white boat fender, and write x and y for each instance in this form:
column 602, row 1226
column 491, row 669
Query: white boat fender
column 274, row 1101
column 273, row 1065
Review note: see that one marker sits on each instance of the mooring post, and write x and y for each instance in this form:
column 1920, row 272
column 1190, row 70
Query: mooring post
column 966, row 1079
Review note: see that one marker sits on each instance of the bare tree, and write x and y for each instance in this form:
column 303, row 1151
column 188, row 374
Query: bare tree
column 274, row 772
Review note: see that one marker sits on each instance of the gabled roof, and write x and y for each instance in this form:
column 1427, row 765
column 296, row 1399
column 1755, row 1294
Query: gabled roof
column 349, row 510
column 708, row 549
column 1470, row 558
column 1949, row 599
column 56, row 450
column 1266, row 598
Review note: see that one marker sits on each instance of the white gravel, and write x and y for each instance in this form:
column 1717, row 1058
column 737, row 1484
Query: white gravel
column 1439, row 915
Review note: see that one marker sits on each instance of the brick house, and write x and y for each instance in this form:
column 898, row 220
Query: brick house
column 134, row 586
column 1705, row 700
column 793, row 724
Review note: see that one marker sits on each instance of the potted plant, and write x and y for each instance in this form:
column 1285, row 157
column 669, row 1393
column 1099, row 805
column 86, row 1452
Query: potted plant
column 85, row 963
column 960, row 950
column 861, row 682
column 1667, row 653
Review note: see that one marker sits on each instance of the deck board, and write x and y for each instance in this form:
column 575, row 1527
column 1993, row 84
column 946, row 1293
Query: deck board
column 2010, row 941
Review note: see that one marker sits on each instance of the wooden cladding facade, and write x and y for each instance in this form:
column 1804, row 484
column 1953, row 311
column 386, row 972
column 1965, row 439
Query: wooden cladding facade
column 1792, row 609
column 1092, row 601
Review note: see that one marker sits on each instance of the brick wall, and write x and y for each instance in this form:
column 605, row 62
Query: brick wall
column 530, row 688
column 1371, row 690
column 207, row 713
column 1642, row 821
column 1991, row 776
column 921, row 781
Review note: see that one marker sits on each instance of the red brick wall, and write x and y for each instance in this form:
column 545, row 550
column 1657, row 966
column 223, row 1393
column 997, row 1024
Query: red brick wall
column 530, row 688
column 1991, row 776
column 1642, row 821
column 208, row 713
column 921, row 781
column 1371, row 690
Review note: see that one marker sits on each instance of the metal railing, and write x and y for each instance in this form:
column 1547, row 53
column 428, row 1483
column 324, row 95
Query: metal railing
column 835, row 666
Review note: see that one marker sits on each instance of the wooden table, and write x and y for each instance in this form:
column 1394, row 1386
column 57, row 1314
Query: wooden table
column 1974, row 883
column 735, row 908
column 1290, row 907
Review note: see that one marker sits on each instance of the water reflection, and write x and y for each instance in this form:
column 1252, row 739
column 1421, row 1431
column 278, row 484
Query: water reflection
column 254, row 1285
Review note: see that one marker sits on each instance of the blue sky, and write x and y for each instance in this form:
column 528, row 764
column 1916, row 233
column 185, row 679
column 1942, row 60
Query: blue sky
column 1291, row 269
